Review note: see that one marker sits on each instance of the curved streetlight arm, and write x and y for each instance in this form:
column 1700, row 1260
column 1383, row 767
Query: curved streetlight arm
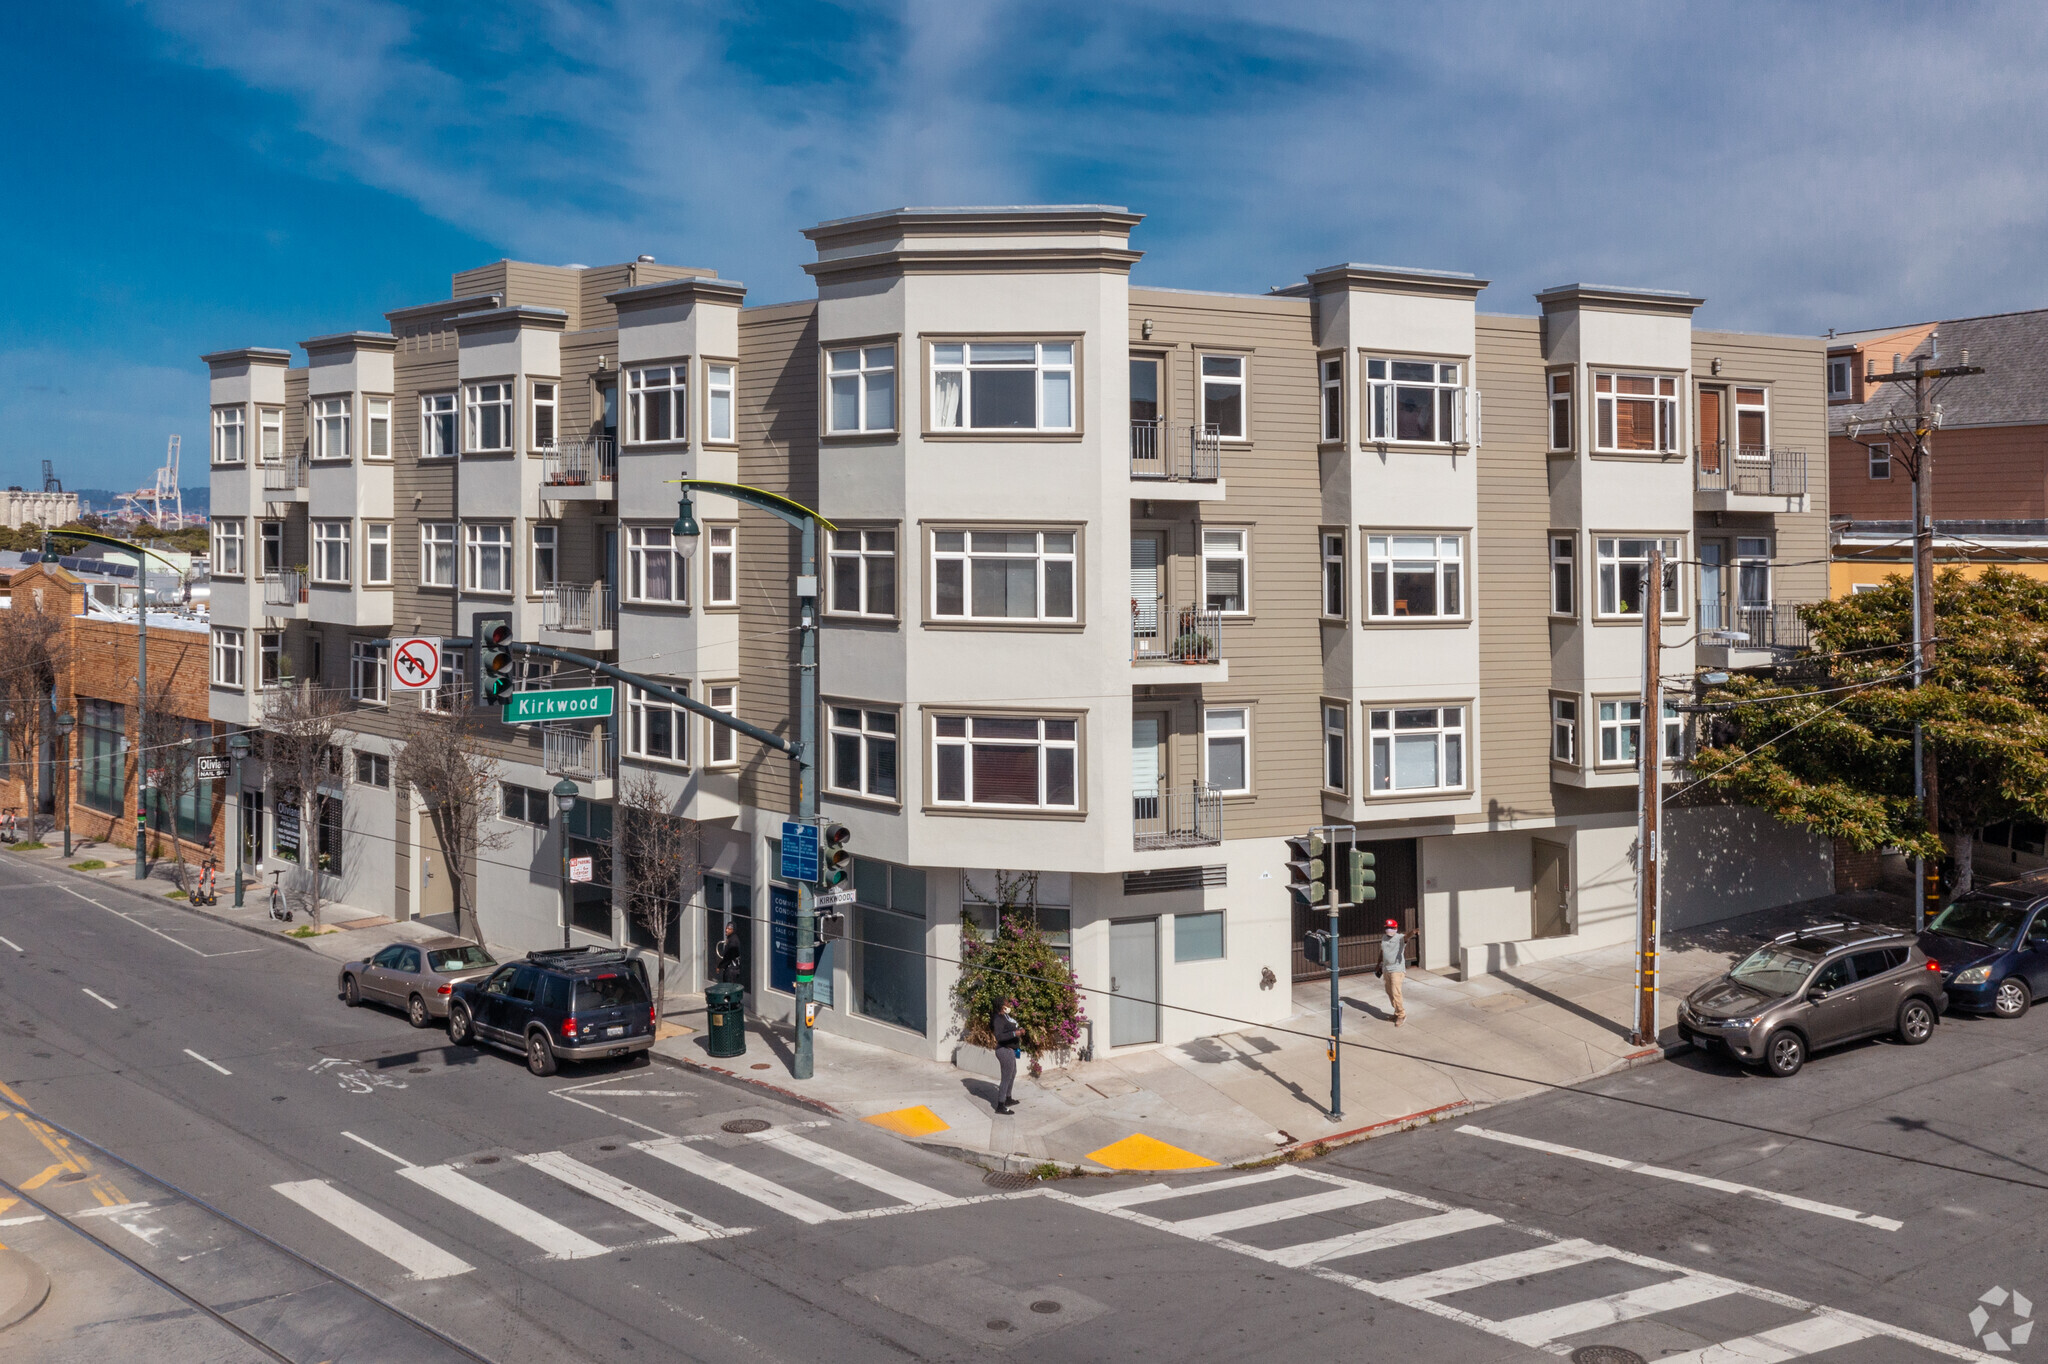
column 775, row 504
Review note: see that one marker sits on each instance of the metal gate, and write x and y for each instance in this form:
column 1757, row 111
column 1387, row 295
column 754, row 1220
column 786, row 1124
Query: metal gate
column 1359, row 926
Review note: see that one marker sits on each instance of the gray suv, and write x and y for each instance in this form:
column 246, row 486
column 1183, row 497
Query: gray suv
column 1818, row 987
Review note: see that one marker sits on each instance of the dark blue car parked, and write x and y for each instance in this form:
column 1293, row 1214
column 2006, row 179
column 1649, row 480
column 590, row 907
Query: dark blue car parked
column 1993, row 947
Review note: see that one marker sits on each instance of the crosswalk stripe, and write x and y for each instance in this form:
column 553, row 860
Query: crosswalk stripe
column 1540, row 1328
column 681, row 1223
column 551, row 1236
column 849, row 1167
column 1152, row 1193
column 1499, row 1269
column 1329, row 1200
column 1377, row 1238
column 419, row 1257
column 1795, row 1341
column 686, row 1157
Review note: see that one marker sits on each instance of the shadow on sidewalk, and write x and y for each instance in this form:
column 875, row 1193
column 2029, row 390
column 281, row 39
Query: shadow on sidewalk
column 1559, row 1001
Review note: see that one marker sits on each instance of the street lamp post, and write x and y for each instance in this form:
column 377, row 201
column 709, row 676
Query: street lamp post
column 65, row 724
column 565, row 801
column 238, row 747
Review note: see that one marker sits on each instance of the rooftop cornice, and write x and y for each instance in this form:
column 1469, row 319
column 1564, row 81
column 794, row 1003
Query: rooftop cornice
column 320, row 345
column 995, row 220
column 1027, row 260
column 689, row 289
column 517, row 315
column 248, row 355
column 447, row 307
column 1619, row 299
column 1400, row 278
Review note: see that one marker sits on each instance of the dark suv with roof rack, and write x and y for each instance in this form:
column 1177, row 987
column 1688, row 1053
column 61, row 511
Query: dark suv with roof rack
column 1818, row 987
column 572, row 1004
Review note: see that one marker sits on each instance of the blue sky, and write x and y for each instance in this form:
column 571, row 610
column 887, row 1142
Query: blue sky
column 186, row 175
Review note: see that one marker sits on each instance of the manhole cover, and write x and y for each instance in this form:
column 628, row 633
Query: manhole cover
column 1605, row 1354
column 1000, row 1325
column 1045, row 1307
column 1008, row 1179
column 760, row 1065
column 488, row 1160
column 609, row 1146
column 72, row 1177
column 418, row 1070
column 742, row 1126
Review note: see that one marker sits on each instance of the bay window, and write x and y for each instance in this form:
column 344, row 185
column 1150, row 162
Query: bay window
column 718, row 399
column 863, row 573
column 227, row 658
column 543, row 422
column 376, row 428
column 1413, row 400
column 489, row 552
column 490, row 417
column 655, row 567
column 229, row 427
column 861, row 389
column 1335, row 574
column 1621, row 731
column 1004, row 575
column 1006, row 761
column 437, row 426
column 1227, row 750
column 1336, row 748
column 721, row 569
column 658, row 403
column 863, row 752
column 1564, row 575
column 1561, row 411
column 1414, row 576
column 330, row 428
column 377, row 554
column 655, row 729
column 1625, row 575
column 1564, row 730
column 1635, row 412
column 330, row 551
column 723, row 698
column 1223, row 395
column 1003, row 386
column 1418, row 748
column 227, row 547
column 1332, row 375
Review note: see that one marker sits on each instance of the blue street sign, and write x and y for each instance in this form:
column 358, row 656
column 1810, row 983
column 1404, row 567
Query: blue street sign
column 799, row 851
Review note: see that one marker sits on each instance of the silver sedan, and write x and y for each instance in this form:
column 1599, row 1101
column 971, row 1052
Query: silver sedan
column 417, row 977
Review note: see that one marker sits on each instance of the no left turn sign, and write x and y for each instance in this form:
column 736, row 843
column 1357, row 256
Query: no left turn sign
column 415, row 664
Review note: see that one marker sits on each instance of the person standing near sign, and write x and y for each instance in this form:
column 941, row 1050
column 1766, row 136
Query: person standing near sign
column 1393, row 968
column 1006, row 1030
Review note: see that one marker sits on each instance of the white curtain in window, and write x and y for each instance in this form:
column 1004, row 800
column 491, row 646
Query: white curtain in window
column 946, row 394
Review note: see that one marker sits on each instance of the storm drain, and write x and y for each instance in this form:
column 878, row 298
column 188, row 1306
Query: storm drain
column 1605, row 1354
column 741, row 1127
column 1008, row 1179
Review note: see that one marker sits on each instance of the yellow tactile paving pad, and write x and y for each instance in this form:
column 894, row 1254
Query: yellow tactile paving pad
column 916, row 1121
column 1140, row 1152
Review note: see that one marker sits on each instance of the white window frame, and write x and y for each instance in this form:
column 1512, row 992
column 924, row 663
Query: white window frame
column 1751, row 565
column 863, row 730
column 1228, row 544
column 1336, row 575
column 1663, row 397
column 436, row 539
column 721, row 560
column 1217, row 375
column 377, row 428
column 373, row 769
column 1453, row 757
column 1844, row 367
column 863, row 377
column 270, row 659
column 1336, row 746
column 1737, row 407
column 641, row 546
column 230, row 657
column 1564, row 576
column 1564, row 730
column 1384, row 557
column 377, row 546
column 331, row 552
column 269, row 424
column 721, row 391
column 1220, row 728
column 1609, row 555
column 230, row 435
column 1056, row 734
column 1055, row 380
column 1330, row 370
column 486, row 404
column 440, row 426
column 1385, row 385
column 639, row 705
column 658, row 399
column 722, row 748
column 955, row 552
column 1560, row 385
column 368, row 662
column 1621, row 725
column 229, row 547
column 329, row 418
column 269, row 536
column 483, row 542
column 1880, row 460
column 853, row 546
column 543, row 428
column 454, row 688
column 544, row 555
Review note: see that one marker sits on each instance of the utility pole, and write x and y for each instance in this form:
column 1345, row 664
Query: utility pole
column 1650, row 803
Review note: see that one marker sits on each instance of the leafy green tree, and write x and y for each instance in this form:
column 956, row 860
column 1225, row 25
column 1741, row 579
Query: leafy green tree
column 1831, row 748
column 1016, row 962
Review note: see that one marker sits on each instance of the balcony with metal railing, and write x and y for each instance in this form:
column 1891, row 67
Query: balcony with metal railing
column 1177, row 461
column 1748, row 478
column 579, row 615
column 1177, row 817
column 1754, row 636
column 583, row 469
column 287, row 594
column 286, row 479
column 582, row 752
column 1188, row 637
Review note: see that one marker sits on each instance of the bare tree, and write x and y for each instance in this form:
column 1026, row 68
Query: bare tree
column 444, row 760
column 35, row 647
column 171, row 745
column 659, row 859
column 305, row 741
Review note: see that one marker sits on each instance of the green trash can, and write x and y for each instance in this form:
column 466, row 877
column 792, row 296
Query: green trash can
column 727, row 1035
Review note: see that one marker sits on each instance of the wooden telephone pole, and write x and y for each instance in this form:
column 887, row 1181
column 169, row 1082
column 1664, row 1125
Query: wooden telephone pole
column 1650, row 803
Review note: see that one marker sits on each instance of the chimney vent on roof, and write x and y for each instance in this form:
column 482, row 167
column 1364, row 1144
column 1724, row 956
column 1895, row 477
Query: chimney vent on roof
column 646, row 260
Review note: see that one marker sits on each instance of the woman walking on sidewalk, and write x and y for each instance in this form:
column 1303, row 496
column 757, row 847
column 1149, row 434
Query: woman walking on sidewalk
column 1004, row 1026
column 1393, row 968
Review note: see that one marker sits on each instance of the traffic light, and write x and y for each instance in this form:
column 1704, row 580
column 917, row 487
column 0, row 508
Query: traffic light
column 493, row 659
column 835, row 862
column 1306, row 869
column 1359, row 877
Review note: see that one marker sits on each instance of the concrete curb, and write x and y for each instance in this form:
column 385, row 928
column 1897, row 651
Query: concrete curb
column 685, row 1063
column 23, row 1287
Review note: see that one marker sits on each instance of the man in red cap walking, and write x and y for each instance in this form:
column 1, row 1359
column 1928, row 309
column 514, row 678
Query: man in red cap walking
column 1393, row 968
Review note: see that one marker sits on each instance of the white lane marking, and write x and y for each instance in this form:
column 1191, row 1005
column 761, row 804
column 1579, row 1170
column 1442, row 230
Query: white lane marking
column 364, row 1141
column 15, row 945
column 419, row 1257
column 102, row 999
column 606, row 1112
column 1152, row 1193
column 683, row 1224
column 20, row 1221
column 1780, row 1343
column 204, row 1062
column 54, row 885
column 1329, row 1200
column 112, row 1210
column 849, row 1167
column 558, row 1241
column 1687, row 1177
column 789, row 1201
column 1441, row 1283
column 1540, row 1328
column 1377, row 1238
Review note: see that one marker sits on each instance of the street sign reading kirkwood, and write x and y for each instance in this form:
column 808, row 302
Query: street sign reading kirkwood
column 563, row 703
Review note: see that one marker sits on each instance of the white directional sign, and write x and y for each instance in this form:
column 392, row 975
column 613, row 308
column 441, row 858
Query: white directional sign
column 415, row 665
column 842, row 896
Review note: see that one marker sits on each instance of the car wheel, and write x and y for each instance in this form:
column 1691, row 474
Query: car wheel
column 540, row 1057
column 640, row 1058
column 416, row 1011
column 1916, row 1022
column 2011, row 998
column 460, row 1030
column 1784, row 1054
column 351, row 994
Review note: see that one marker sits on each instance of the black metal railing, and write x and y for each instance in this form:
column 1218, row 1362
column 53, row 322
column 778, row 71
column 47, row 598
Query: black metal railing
column 1749, row 470
column 1176, row 453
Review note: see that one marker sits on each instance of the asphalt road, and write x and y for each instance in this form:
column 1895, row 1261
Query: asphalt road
column 336, row 1185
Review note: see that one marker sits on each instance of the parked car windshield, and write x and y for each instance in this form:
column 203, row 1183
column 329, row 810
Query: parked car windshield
column 1980, row 918
column 459, row 958
column 1774, row 969
column 608, row 992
